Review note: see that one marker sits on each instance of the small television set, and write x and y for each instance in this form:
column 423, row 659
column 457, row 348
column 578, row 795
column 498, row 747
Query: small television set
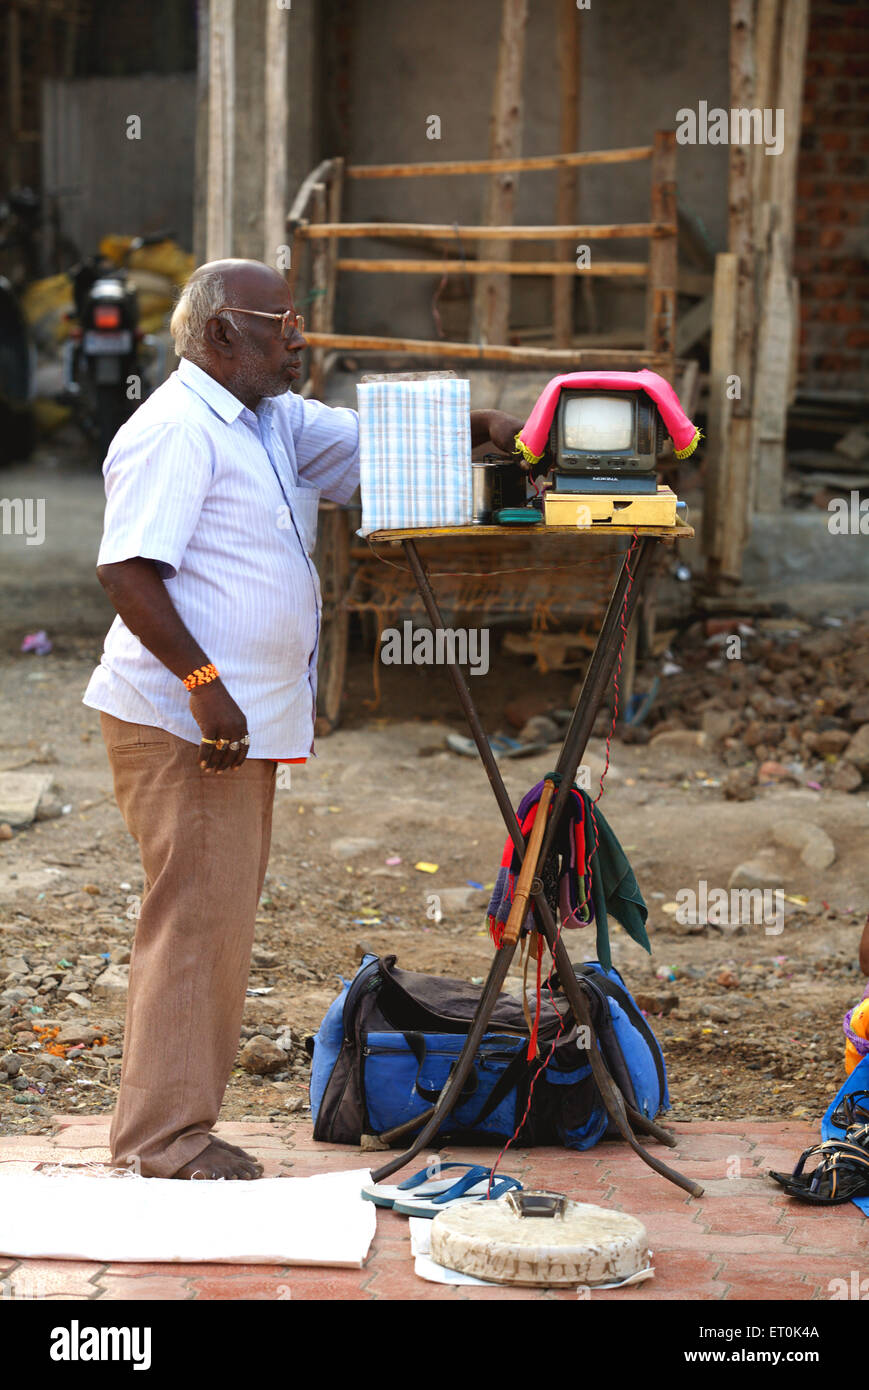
column 605, row 441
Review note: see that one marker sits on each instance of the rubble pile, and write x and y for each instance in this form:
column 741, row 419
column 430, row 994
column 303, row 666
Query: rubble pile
column 778, row 699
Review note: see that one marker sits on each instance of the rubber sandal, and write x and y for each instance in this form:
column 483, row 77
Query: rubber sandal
column 858, row 1134
column 852, row 1109
column 429, row 1184
column 842, row 1173
column 471, row 1188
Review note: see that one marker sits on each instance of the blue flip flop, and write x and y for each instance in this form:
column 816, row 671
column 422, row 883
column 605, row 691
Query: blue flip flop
column 426, row 1183
column 473, row 1187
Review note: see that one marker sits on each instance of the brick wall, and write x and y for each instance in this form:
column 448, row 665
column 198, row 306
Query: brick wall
column 832, row 213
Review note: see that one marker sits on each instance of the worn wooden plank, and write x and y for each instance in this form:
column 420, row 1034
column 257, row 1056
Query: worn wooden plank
column 319, row 286
column 741, row 242
column 629, row 359
column 662, row 281
column 678, row 532
column 721, row 523
column 567, row 183
column 693, row 325
column 774, row 350
column 591, row 231
column 632, row 155
column 491, row 304
column 377, row 266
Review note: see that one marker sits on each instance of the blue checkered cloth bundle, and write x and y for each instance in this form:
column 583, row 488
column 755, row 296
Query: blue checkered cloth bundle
column 415, row 454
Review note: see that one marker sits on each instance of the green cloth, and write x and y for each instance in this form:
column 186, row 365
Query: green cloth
column 614, row 888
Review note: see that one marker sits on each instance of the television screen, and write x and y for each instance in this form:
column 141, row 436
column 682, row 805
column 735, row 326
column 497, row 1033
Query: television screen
column 599, row 424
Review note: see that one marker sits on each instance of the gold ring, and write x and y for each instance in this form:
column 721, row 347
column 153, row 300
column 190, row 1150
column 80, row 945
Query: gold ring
column 208, row 740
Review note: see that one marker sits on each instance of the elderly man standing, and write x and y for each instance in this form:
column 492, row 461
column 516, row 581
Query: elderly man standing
column 208, row 679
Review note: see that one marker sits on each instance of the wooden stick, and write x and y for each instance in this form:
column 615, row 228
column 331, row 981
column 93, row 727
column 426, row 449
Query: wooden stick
column 719, row 513
column 592, row 231
column 752, row 60
column 628, row 359
column 299, row 211
column 376, row 266
column 528, row 871
column 319, row 287
column 494, row 166
column 662, row 282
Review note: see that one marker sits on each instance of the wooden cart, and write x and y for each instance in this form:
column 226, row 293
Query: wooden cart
column 348, row 571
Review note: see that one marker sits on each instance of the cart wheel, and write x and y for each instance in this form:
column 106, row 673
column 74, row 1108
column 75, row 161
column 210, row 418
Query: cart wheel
column 332, row 559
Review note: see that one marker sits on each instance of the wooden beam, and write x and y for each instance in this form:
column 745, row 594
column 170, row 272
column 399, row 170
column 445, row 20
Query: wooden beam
column 494, row 166
column 221, row 129
column 778, row 327
column 591, row 231
column 663, row 253
column 615, row 269
column 774, row 350
column 741, row 241
column 629, row 359
column 333, row 212
column 568, row 58
column 490, row 315
column 722, row 509
column 319, row 288
column 693, row 325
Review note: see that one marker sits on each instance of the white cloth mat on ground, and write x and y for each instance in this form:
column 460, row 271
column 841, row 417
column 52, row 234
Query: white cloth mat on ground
column 321, row 1220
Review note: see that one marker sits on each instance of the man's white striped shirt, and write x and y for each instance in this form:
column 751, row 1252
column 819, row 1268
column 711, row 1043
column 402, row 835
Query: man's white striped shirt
column 225, row 501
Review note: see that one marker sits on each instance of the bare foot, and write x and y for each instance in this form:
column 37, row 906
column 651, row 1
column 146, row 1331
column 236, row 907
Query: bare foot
column 234, row 1149
column 218, row 1161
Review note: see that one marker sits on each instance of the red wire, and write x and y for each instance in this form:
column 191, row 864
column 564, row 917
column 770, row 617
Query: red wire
column 591, row 855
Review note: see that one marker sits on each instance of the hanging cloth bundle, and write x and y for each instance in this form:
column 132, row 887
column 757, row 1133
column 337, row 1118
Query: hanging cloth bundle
column 585, row 876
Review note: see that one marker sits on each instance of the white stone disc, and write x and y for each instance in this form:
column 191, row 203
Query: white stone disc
column 587, row 1246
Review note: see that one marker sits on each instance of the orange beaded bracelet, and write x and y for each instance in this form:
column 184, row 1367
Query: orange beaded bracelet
column 202, row 676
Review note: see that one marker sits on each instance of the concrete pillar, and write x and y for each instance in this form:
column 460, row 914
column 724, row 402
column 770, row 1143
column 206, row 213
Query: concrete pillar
column 265, row 178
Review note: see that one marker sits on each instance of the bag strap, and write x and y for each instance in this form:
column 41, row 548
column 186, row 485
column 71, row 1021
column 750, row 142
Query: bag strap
column 417, row 1044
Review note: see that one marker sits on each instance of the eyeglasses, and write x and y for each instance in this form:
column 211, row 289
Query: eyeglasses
column 291, row 322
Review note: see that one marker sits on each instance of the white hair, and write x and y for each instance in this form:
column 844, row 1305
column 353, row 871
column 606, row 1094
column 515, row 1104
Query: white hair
column 202, row 297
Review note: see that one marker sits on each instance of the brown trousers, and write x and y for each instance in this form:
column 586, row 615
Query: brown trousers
column 204, row 842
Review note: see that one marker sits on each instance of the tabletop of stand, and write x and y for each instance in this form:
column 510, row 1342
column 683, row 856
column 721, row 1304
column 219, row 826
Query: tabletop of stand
column 424, row 533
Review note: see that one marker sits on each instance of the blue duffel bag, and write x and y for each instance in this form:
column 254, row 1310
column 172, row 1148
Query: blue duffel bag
column 387, row 1044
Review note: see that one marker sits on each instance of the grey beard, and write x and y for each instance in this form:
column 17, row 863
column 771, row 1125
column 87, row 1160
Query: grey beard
column 253, row 378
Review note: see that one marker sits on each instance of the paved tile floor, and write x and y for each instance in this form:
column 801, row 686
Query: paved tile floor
column 743, row 1239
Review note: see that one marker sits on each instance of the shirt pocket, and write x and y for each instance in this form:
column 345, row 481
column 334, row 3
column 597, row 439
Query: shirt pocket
column 305, row 505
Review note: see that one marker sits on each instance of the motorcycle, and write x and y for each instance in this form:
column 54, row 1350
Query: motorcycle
column 110, row 366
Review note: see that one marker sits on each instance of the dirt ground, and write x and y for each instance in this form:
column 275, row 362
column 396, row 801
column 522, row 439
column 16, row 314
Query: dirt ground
column 749, row 1017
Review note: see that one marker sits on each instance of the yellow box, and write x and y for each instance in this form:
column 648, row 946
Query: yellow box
column 586, row 509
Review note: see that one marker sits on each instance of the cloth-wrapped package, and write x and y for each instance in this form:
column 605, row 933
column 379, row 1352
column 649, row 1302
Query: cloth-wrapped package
column 415, row 454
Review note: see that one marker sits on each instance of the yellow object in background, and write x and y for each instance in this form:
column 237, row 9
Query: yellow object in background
column 859, row 1025
column 45, row 304
column 164, row 257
